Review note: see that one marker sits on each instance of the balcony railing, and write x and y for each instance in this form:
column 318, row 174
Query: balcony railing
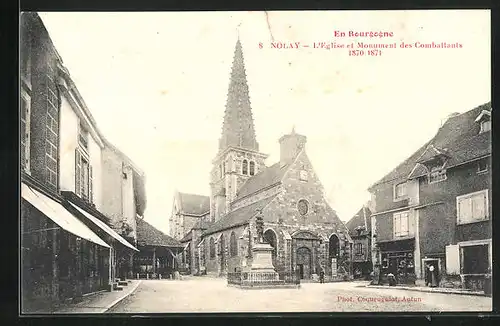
column 253, row 278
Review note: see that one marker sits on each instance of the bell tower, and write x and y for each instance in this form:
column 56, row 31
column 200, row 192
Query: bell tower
column 238, row 157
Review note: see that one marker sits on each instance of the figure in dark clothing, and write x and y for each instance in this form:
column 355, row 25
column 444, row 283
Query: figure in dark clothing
column 427, row 275
column 322, row 275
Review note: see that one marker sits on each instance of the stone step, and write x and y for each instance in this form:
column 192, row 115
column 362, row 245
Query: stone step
column 116, row 287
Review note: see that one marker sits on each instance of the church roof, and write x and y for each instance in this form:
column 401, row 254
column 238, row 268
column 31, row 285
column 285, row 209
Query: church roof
column 187, row 237
column 360, row 219
column 194, row 204
column 239, row 216
column 148, row 235
column 458, row 137
column 238, row 127
column 265, row 178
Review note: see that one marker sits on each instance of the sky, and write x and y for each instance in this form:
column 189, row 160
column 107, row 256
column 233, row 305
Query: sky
column 156, row 84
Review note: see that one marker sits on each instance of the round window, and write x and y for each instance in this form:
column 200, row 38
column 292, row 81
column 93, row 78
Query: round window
column 303, row 206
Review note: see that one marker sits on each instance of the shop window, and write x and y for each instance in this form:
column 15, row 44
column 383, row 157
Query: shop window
column 475, row 259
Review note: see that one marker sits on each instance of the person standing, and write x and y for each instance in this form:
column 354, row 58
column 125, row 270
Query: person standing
column 322, row 275
column 433, row 276
column 427, row 275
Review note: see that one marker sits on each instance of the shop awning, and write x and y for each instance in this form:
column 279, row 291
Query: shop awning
column 59, row 215
column 105, row 228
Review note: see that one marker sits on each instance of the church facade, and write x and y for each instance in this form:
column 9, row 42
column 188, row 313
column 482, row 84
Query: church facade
column 305, row 232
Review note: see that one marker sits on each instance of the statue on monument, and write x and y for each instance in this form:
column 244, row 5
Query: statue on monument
column 259, row 225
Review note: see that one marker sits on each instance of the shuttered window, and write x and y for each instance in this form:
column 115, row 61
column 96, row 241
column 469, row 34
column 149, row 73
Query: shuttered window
column 472, row 207
column 452, row 259
column 401, row 224
column 83, row 177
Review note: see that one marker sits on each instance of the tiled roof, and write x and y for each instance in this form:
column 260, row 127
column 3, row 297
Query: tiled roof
column 194, row 204
column 458, row 137
column 148, row 235
column 265, row 178
column 239, row 216
column 359, row 220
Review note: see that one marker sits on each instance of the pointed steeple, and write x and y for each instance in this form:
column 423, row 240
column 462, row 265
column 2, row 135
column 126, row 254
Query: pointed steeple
column 238, row 127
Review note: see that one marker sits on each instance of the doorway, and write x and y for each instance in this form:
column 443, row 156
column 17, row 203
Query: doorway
column 301, row 271
column 304, row 262
column 427, row 274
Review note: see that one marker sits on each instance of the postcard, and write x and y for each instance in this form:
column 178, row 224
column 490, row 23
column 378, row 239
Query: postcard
column 255, row 161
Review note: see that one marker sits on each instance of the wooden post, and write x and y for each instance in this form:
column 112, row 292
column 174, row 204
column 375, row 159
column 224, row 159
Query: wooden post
column 154, row 260
column 55, row 280
column 110, row 269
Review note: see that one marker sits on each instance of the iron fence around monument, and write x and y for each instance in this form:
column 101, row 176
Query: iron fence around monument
column 262, row 278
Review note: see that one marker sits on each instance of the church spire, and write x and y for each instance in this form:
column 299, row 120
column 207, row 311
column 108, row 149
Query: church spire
column 238, row 127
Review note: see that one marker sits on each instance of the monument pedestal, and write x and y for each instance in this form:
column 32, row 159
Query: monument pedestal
column 262, row 265
column 261, row 274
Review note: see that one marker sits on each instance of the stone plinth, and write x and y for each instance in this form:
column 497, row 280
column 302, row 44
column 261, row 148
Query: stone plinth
column 261, row 273
column 262, row 258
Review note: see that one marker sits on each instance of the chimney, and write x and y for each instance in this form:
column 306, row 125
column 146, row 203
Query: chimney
column 290, row 147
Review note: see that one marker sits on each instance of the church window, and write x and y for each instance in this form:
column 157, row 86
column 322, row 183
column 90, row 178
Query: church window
column 244, row 169
column 303, row 206
column 303, row 175
column 252, row 168
column 233, row 245
column 212, row 248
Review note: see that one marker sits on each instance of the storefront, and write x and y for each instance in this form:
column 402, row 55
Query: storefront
column 397, row 258
column 62, row 257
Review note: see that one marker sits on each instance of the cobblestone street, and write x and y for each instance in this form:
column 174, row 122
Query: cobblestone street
column 213, row 295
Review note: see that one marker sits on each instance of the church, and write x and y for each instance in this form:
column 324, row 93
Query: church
column 305, row 232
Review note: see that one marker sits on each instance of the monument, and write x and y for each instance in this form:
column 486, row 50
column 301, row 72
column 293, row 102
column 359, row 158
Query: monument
column 262, row 254
column 261, row 272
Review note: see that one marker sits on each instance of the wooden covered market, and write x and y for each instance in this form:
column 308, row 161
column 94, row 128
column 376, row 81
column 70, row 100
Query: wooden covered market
column 157, row 252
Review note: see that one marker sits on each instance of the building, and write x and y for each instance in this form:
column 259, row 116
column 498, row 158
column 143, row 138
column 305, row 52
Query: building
column 124, row 200
column 360, row 231
column 158, row 252
column 435, row 207
column 303, row 229
column 67, row 247
column 187, row 210
column 81, row 173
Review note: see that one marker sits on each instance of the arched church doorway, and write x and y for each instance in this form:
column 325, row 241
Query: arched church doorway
column 334, row 246
column 270, row 237
column 304, row 260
